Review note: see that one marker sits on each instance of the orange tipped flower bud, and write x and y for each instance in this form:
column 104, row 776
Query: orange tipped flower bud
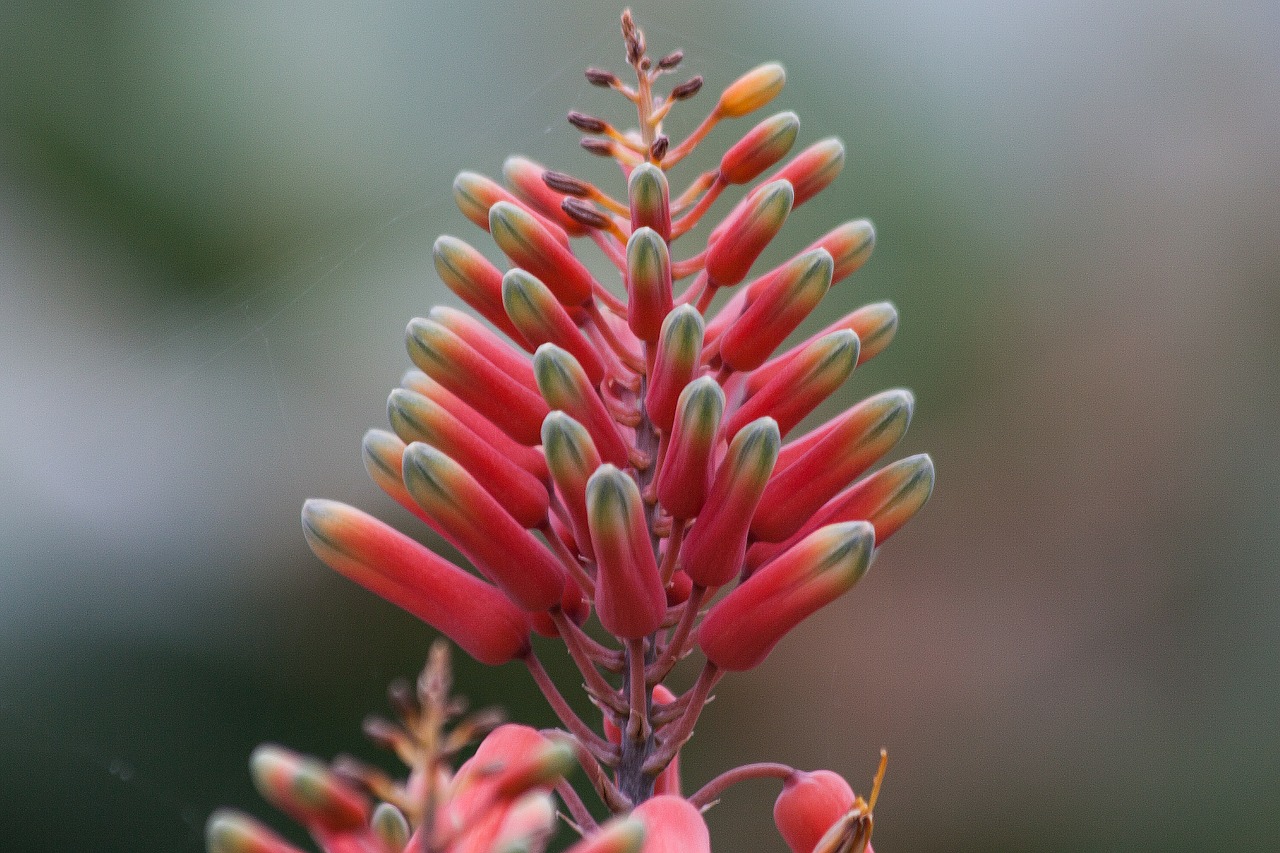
column 743, row 627
column 852, row 443
column 510, row 361
column 777, row 311
column 390, row 827
column 232, row 832
column 650, row 199
column 888, row 499
column 565, row 386
column 529, row 245
column 384, row 561
column 572, row 459
column 481, row 384
column 752, row 90
column 713, row 550
column 648, row 283
column 810, row 803
column 482, row 530
column 306, row 789
column 620, row 835
column 476, row 281
column 765, row 144
column 749, row 228
column 672, row 825
column 679, row 348
column 541, row 319
column 797, row 389
column 476, row 195
column 417, row 418
column 686, row 469
column 630, row 600
column 813, row 169
column 525, row 179
column 527, row 457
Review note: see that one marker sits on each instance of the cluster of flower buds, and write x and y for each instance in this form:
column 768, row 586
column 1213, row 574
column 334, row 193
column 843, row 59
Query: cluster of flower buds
column 628, row 458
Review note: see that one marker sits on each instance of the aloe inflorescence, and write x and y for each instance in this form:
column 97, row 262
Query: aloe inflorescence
column 620, row 467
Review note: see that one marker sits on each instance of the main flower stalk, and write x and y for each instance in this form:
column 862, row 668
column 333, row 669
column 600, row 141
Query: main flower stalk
column 619, row 466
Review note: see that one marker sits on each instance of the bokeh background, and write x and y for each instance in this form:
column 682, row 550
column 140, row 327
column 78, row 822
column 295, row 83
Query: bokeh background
column 216, row 218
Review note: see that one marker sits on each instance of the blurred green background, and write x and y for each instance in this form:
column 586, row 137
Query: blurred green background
column 216, row 218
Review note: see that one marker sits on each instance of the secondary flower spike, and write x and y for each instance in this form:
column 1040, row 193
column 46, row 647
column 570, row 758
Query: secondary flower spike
column 630, row 467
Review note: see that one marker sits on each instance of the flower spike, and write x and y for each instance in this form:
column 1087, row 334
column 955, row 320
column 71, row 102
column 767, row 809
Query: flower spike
column 616, row 447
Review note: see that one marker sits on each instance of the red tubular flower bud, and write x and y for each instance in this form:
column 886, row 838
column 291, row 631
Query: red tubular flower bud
column 797, row 389
column 672, row 825
column 744, row 626
column 620, row 835
column 676, row 363
column 752, row 90
column 530, row 246
column 418, row 418
column 232, row 832
column 476, row 195
column 476, row 282
column 482, row 530
column 765, row 144
column 306, row 790
column 777, row 311
column 849, row 447
column 571, row 459
column 875, row 325
column 480, row 383
column 887, row 499
column 686, row 469
column 648, row 283
column 527, row 457
column 525, row 179
column 384, row 561
column 565, row 386
column 541, row 319
column 713, row 550
column 747, row 230
column 810, row 803
column 630, row 600
column 510, row 361
column 813, row 169
column 382, row 452
column 849, row 245
column 650, row 199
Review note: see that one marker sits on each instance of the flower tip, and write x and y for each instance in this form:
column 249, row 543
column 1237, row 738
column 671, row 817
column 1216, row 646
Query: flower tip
column 306, row 789
column 752, row 90
column 229, row 831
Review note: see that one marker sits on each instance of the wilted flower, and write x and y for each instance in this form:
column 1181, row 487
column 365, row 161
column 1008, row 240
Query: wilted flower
column 624, row 456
